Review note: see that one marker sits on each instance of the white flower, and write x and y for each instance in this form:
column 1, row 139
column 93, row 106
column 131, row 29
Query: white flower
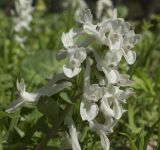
column 68, row 38
column 114, row 33
column 107, row 67
column 92, row 93
column 26, row 98
column 76, row 55
column 105, row 108
column 101, row 130
column 97, row 31
column 124, row 80
column 88, row 110
column 104, row 141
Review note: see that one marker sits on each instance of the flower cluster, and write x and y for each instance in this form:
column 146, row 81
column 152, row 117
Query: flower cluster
column 22, row 18
column 104, row 87
column 105, row 96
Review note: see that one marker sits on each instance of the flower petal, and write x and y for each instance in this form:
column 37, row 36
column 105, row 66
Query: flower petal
column 21, row 86
column 118, row 110
column 111, row 74
column 81, row 54
column 70, row 73
column 67, row 40
column 130, row 57
column 124, row 80
column 105, row 108
column 88, row 110
column 86, row 16
column 74, row 137
column 104, row 141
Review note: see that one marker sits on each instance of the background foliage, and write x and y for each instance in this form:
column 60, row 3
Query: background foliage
column 139, row 127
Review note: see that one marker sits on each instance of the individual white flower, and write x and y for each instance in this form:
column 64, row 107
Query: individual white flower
column 97, row 31
column 107, row 67
column 88, row 110
column 92, row 93
column 122, row 39
column 115, row 41
column 68, row 38
column 106, row 108
column 76, row 55
column 26, row 98
column 102, row 130
column 104, row 140
column 124, row 80
column 114, row 99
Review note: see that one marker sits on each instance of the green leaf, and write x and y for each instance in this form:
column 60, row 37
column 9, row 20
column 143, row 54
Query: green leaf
column 132, row 143
column 131, row 124
column 5, row 114
column 42, row 125
column 49, row 108
column 65, row 97
column 141, row 142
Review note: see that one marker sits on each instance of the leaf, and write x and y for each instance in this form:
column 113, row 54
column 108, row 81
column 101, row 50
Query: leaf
column 44, row 68
column 5, row 114
column 131, row 124
column 16, row 146
column 49, row 108
column 19, row 131
column 132, row 144
column 65, row 97
column 42, row 124
column 141, row 142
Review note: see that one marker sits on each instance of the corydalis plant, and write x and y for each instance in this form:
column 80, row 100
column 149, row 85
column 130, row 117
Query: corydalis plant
column 102, row 92
column 105, row 95
column 22, row 19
